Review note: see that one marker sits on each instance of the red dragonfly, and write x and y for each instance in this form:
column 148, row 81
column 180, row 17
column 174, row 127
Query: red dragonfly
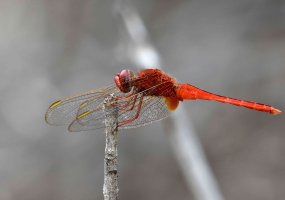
column 140, row 100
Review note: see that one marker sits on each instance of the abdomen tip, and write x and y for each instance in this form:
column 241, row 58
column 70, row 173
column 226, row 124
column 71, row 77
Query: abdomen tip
column 275, row 111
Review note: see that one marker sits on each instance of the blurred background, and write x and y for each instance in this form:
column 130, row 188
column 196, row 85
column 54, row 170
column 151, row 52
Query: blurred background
column 51, row 49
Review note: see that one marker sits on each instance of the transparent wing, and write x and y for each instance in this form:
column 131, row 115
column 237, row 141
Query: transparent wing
column 153, row 109
column 65, row 111
column 130, row 113
column 92, row 119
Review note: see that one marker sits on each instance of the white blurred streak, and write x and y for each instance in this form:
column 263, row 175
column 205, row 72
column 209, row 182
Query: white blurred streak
column 133, row 23
column 182, row 136
column 145, row 55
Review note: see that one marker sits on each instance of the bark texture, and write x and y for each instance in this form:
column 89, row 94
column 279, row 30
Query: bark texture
column 110, row 188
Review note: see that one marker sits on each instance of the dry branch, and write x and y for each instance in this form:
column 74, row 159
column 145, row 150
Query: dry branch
column 110, row 188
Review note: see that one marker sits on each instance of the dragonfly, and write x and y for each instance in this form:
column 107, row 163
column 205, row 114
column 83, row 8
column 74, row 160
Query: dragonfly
column 140, row 100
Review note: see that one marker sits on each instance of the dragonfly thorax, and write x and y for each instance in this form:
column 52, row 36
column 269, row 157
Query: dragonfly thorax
column 124, row 79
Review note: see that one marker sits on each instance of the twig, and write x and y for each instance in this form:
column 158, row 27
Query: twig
column 110, row 188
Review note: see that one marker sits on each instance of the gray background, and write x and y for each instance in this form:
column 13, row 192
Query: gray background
column 51, row 49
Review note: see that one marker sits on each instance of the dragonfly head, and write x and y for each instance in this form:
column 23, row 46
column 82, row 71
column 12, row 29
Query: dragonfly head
column 124, row 79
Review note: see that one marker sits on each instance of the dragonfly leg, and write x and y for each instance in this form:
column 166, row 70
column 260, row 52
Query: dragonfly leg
column 128, row 95
column 137, row 113
column 133, row 104
column 128, row 100
column 131, row 101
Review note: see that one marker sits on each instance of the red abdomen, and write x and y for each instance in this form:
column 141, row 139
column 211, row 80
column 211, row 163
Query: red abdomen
column 187, row 91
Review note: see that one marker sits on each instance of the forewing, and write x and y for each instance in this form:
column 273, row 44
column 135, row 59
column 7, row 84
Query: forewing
column 91, row 119
column 65, row 111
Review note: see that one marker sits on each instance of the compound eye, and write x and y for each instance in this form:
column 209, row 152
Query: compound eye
column 123, row 80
